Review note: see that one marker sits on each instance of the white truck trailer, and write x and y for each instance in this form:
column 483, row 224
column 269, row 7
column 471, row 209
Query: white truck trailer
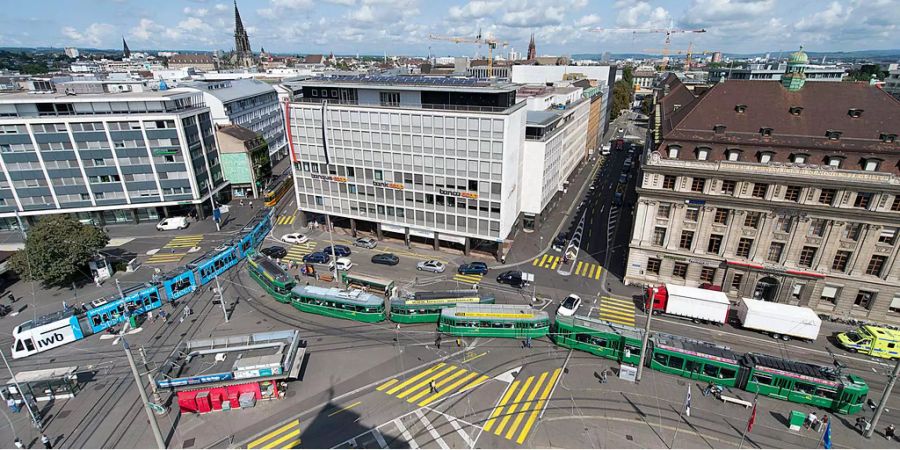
column 699, row 305
column 779, row 320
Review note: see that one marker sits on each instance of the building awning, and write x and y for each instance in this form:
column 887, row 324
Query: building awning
column 775, row 269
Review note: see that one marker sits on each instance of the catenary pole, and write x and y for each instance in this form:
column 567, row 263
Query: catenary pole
column 640, row 368
column 884, row 398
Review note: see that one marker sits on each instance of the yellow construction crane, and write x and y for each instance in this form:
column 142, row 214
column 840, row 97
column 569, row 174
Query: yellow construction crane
column 668, row 31
column 689, row 53
column 491, row 42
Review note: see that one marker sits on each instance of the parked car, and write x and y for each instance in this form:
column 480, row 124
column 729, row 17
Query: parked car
column 473, row 268
column 339, row 250
column 294, row 238
column 623, row 178
column 569, row 306
column 342, row 264
column 560, row 241
column 365, row 243
column 274, row 251
column 388, row 259
column 512, row 278
column 617, row 199
column 172, row 223
column 317, row 258
column 431, row 266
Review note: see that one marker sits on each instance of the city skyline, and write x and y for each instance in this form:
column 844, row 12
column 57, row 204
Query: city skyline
column 370, row 26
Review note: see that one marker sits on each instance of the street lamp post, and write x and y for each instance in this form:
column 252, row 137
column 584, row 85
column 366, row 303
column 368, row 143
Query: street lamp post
column 640, row 368
column 330, row 226
column 34, row 418
column 160, row 442
column 884, row 397
column 221, row 297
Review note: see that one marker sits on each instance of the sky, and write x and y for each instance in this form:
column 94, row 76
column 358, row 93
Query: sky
column 403, row 27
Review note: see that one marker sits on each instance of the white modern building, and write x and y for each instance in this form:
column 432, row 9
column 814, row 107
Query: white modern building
column 106, row 158
column 892, row 83
column 249, row 103
column 427, row 160
column 774, row 71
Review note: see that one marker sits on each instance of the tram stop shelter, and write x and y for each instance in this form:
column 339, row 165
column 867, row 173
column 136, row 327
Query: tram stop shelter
column 232, row 372
column 42, row 385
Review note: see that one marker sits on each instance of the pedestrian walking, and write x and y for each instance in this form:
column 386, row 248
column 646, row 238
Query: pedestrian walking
column 433, row 387
column 889, row 432
column 861, row 424
column 251, row 205
column 823, row 423
column 437, row 341
column 163, row 315
column 18, row 443
column 46, row 441
column 811, row 420
column 242, row 202
column 528, row 341
column 150, row 316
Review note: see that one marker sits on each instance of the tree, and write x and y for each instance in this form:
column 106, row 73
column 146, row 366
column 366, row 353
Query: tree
column 621, row 97
column 57, row 251
column 647, row 105
column 35, row 68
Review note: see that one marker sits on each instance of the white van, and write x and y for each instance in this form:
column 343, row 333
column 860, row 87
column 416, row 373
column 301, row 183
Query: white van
column 172, row 223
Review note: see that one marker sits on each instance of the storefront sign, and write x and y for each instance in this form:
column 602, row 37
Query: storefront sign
column 388, row 185
column 695, row 202
column 163, row 152
column 458, row 193
column 254, row 373
column 190, row 381
column 775, row 269
column 704, row 262
column 334, row 178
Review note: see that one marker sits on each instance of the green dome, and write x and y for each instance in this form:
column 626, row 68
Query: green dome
column 799, row 57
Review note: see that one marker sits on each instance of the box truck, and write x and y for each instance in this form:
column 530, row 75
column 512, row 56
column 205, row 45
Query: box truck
column 699, row 305
column 779, row 320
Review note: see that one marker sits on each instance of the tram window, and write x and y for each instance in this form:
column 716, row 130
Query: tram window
column 661, row 358
column 805, row 388
column 29, row 345
column 676, row 362
column 692, row 366
column 826, row 393
column 96, row 321
column 762, row 379
column 726, row 373
column 154, row 297
column 635, row 351
column 710, row 370
column 19, row 346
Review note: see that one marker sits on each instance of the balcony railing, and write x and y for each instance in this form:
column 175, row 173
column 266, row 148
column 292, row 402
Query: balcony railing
column 437, row 106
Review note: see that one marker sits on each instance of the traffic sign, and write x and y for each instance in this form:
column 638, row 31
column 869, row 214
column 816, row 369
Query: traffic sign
column 217, row 215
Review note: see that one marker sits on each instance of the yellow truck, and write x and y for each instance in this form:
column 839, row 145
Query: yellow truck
column 875, row 341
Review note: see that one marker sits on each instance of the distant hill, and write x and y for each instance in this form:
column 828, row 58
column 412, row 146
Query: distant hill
column 888, row 54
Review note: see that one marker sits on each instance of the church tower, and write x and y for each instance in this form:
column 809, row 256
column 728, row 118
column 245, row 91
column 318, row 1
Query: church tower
column 532, row 51
column 125, row 50
column 243, row 56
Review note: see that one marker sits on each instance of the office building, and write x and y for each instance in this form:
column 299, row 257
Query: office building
column 249, row 103
column 784, row 191
column 245, row 160
column 892, row 83
column 774, row 71
column 106, row 158
column 72, row 52
column 426, row 160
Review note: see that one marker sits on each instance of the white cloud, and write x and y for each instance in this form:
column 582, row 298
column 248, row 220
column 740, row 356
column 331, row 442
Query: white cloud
column 221, row 7
column 94, row 34
column 641, row 15
column 475, row 9
column 833, row 16
column 531, row 18
column 588, row 20
column 292, row 4
column 342, row 2
column 196, row 12
column 194, row 25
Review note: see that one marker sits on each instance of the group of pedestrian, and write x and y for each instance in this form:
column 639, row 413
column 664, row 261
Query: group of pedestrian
column 527, row 342
column 44, row 440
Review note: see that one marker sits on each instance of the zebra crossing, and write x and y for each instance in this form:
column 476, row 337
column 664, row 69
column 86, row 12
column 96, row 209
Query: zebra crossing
column 285, row 219
column 186, row 241
column 469, row 279
column 164, row 258
column 298, row 251
column 582, row 268
column 520, row 405
column 447, row 380
column 616, row 310
column 421, row 428
column 547, row 261
column 286, row 436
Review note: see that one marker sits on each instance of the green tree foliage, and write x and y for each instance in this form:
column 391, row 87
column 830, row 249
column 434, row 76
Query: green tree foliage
column 35, row 68
column 57, row 251
column 623, row 93
column 647, row 105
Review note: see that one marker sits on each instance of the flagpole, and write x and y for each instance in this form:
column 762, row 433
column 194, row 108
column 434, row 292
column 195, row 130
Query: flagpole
column 749, row 422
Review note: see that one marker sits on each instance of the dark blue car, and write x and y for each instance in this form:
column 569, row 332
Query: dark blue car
column 317, row 258
column 339, row 250
column 473, row 268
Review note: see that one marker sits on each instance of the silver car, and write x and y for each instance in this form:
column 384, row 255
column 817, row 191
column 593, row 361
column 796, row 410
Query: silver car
column 431, row 266
column 365, row 243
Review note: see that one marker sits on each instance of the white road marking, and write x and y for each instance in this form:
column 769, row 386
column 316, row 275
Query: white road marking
column 462, row 433
column 434, row 434
column 409, row 439
column 379, row 438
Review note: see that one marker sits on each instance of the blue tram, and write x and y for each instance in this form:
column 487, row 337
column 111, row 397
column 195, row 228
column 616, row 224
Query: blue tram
column 62, row 327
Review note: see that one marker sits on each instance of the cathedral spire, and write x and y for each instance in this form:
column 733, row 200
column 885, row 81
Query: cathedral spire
column 242, row 53
column 532, row 51
column 125, row 51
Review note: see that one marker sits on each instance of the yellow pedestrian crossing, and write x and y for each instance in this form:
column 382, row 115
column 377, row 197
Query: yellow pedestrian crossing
column 470, row 279
column 286, row 436
column 520, row 406
column 447, row 380
column 298, row 251
column 285, row 219
column 616, row 310
column 164, row 257
column 187, row 241
column 582, row 268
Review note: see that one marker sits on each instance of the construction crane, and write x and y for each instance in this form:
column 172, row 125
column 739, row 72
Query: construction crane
column 689, row 53
column 668, row 31
column 490, row 41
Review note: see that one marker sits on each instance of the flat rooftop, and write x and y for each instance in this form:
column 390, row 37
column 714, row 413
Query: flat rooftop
column 542, row 118
column 412, row 82
column 20, row 97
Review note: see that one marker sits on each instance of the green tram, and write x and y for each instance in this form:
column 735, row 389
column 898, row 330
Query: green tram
column 805, row 383
column 425, row 307
column 599, row 337
column 382, row 286
column 693, row 359
column 275, row 280
column 508, row 321
column 340, row 303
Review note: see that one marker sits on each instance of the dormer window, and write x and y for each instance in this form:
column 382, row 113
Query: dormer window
column 719, row 128
column 673, row 151
column 799, row 158
column 888, row 137
column 833, row 134
column 765, row 157
column 795, row 110
column 702, row 153
column 740, row 108
column 854, row 112
column 765, row 131
column 835, row 161
column 871, row 164
column 733, row 154
column 675, row 107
